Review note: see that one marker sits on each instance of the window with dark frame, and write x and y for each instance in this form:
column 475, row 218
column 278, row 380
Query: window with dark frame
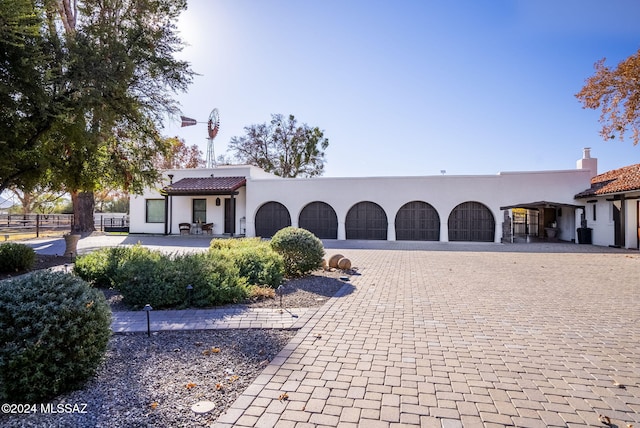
column 199, row 211
column 154, row 211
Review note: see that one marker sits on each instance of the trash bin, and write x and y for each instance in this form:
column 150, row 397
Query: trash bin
column 584, row 235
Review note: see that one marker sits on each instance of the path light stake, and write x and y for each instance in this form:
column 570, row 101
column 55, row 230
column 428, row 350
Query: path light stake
column 279, row 291
column 189, row 294
column 147, row 308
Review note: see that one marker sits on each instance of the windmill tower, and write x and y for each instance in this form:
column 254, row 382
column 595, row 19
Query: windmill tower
column 213, row 126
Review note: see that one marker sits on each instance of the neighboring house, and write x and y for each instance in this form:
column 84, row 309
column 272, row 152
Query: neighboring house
column 613, row 207
column 509, row 206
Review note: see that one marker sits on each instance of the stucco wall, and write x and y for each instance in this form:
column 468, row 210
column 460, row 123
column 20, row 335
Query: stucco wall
column 632, row 223
column 604, row 227
column 444, row 193
column 181, row 206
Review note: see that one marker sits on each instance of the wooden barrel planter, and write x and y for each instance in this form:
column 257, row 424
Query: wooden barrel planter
column 344, row 263
column 333, row 261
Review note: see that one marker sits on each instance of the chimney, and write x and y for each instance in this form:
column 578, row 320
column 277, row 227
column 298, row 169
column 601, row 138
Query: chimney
column 587, row 162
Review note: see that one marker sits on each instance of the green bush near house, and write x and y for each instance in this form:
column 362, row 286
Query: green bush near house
column 220, row 276
column 161, row 281
column 54, row 330
column 301, row 250
column 15, row 257
column 255, row 259
column 100, row 267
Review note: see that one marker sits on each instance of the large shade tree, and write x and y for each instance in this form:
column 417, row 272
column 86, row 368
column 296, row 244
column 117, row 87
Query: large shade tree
column 31, row 92
column 282, row 147
column 616, row 93
column 112, row 85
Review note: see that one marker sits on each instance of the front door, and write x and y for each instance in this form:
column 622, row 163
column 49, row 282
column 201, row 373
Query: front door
column 230, row 216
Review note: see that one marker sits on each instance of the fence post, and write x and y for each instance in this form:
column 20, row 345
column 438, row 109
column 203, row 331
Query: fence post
column 37, row 225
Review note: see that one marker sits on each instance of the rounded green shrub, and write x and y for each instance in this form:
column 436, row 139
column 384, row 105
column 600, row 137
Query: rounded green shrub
column 260, row 266
column 255, row 259
column 54, row 330
column 100, row 267
column 161, row 280
column 301, row 250
column 16, row 257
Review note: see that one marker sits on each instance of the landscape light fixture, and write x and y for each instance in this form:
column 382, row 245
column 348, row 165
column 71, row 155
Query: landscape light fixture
column 147, row 308
column 279, row 292
column 189, row 294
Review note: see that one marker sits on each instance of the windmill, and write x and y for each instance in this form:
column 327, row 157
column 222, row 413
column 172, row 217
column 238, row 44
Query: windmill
column 213, row 126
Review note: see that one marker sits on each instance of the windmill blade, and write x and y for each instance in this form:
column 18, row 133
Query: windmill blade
column 187, row 121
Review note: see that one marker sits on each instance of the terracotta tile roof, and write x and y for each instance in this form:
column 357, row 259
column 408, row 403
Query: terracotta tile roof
column 624, row 179
column 205, row 186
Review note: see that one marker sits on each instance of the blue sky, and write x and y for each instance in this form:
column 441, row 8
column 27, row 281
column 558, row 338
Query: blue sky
column 411, row 87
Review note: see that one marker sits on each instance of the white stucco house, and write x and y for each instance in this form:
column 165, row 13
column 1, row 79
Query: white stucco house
column 506, row 207
column 612, row 207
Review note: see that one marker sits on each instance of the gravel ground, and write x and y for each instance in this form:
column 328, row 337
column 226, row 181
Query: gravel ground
column 154, row 381
column 42, row 261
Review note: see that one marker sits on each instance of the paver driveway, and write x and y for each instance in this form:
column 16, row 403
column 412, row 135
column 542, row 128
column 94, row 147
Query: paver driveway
column 463, row 338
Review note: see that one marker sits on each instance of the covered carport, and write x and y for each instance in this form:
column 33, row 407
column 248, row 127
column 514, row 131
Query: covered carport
column 539, row 220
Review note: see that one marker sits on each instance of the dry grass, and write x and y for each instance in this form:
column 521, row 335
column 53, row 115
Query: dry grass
column 257, row 292
column 22, row 236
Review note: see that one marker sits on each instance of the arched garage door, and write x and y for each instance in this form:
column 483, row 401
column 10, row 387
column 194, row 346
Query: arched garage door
column 366, row 220
column 417, row 221
column 270, row 218
column 471, row 221
column 320, row 219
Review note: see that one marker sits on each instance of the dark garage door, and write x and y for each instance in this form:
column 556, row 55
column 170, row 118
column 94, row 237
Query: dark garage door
column 320, row 219
column 366, row 220
column 471, row 221
column 270, row 218
column 417, row 221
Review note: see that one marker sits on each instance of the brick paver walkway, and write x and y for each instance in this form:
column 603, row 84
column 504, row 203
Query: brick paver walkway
column 462, row 339
column 445, row 335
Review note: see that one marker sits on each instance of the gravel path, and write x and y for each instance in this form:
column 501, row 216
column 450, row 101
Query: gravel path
column 154, row 381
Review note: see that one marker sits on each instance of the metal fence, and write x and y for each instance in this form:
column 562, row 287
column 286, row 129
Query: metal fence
column 45, row 224
column 525, row 223
column 37, row 224
column 111, row 222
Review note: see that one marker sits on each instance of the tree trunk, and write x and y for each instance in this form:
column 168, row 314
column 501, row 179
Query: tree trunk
column 83, row 206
